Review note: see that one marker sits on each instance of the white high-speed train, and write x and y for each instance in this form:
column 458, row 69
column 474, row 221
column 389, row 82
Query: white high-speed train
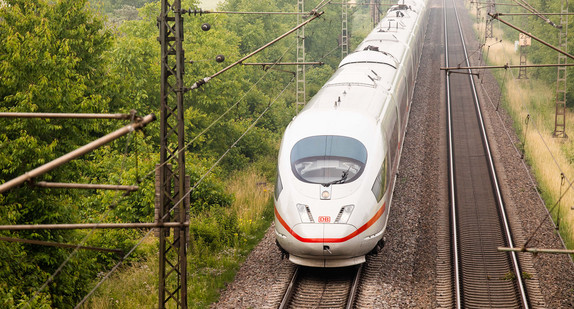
column 340, row 154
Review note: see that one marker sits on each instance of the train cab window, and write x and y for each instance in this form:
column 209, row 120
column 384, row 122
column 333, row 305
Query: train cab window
column 328, row 159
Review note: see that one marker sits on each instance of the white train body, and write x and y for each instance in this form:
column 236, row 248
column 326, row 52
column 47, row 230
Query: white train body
column 339, row 155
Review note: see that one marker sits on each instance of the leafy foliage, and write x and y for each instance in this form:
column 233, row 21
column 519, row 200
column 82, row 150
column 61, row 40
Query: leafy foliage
column 46, row 66
column 62, row 56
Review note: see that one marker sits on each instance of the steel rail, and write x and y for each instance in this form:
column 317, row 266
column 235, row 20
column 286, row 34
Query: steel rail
column 354, row 288
column 508, row 235
column 452, row 197
column 290, row 289
column 65, row 115
column 76, row 153
column 291, row 297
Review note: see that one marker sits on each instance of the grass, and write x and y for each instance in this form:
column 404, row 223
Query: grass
column 221, row 239
column 547, row 155
column 250, row 205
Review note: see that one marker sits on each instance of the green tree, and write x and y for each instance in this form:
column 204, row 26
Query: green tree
column 51, row 60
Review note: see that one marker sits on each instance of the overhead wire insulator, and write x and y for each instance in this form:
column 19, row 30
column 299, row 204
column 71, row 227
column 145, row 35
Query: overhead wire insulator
column 194, row 12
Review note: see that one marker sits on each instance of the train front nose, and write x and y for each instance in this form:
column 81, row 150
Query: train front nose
column 327, row 240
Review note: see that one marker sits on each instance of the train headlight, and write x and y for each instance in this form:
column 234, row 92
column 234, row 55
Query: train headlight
column 305, row 213
column 344, row 214
column 325, row 194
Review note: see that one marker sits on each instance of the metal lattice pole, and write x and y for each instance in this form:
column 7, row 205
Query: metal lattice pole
column 171, row 183
column 560, row 115
column 344, row 29
column 375, row 13
column 300, row 91
column 522, row 71
column 488, row 29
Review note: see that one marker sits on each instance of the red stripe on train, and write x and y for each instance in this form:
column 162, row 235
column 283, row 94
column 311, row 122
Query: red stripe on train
column 331, row 240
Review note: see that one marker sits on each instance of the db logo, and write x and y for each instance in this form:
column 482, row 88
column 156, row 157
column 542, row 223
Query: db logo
column 324, row 219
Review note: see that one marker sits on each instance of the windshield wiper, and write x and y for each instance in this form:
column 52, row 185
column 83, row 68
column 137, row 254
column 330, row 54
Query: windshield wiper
column 338, row 181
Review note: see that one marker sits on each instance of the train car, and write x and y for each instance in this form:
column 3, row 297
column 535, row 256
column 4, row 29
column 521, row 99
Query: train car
column 339, row 156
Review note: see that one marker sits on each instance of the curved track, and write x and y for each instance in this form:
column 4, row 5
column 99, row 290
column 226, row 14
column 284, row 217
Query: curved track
column 322, row 288
column 483, row 277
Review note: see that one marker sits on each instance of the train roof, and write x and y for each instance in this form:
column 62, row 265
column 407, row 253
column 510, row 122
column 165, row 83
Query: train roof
column 331, row 122
column 362, row 87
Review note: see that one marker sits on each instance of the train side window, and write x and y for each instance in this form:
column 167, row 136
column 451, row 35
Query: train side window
column 380, row 185
column 278, row 187
column 393, row 128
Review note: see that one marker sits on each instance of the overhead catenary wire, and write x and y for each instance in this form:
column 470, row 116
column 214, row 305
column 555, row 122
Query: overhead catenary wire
column 185, row 195
column 531, row 9
column 201, row 12
column 532, row 181
column 315, row 15
column 496, row 16
column 553, row 159
column 66, row 115
column 205, row 80
column 80, row 226
column 152, row 172
column 76, row 153
column 521, row 154
column 112, row 270
column 44, row 184
column 226, row 152
column 57, row 244
column 87, row 236
column 78, row 247
column 321, row 5
column 167, row 213
column 532, row 14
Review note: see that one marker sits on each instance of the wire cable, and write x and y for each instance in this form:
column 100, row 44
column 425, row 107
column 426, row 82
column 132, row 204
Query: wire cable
column 177, row 153
column 321, row 5
column 85, row 239
column 532, row 181
column 202, row 178
column 186, row 194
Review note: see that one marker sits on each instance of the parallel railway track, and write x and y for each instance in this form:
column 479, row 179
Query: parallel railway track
column 322, row 288
column 483, row 277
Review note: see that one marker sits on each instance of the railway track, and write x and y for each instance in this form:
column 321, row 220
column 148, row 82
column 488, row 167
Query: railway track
column 322, row 288
column 483, row 277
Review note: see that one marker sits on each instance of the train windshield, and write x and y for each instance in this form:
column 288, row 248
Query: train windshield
column 328, row 159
